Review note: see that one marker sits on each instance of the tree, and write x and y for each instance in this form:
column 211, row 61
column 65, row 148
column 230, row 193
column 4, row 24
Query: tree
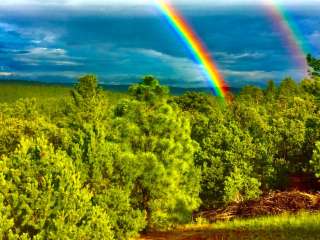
column 311, row 86
column 315, row 162
column 166, row 185
column 225, row 150
column 271, row 90
column 252, row 93
column 88, row 103
column 105, row 167
column 314, row 66
column 109, row 170
column 149, row 90
column 45, row 198
column 288, row 88
column 87, row 87
column 226, row 158
column 100, row 165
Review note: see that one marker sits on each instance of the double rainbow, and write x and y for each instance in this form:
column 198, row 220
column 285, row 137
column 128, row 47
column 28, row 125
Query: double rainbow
column 203, row 57
column 196, row 47
column 290, row 33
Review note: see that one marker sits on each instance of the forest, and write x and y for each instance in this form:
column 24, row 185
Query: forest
column 90, row 164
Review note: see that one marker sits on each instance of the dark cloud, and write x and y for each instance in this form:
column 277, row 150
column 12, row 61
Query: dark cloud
column 119, row 48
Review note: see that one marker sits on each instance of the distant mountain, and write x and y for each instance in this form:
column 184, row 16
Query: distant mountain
column 27, row 82
column 173, row 90
column 115, row 88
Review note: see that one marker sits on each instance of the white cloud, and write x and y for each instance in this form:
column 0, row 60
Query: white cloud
column 46, row 52
column 37, row 35
column 237, row 56
column 66, row 63
column 184, row 68
column 6, row 74
column 7, row 27
column 33, row 75
column 241, row 78
column 192, row 75
column 314, row 39
column 249, row 75
column 51, row 56
column 229, row 58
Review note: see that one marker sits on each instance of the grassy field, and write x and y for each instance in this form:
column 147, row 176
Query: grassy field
column 11, row 91
column 304, row 226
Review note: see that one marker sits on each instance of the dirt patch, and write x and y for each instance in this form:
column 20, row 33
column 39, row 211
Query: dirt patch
column 269, row 204
column 208, row 234
column 204, row 234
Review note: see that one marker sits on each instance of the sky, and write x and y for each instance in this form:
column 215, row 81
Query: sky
column 120, row 41
column 147, row 2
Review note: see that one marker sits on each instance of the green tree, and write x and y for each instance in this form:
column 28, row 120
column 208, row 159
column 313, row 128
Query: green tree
column 288, row 87
column 88, row 102
column 96, row 151
column 226, row 158
column 45, row 198
column 109, row 170
column 87, row 87
column 158, row 135
column 315, row 162
column 252, row 93
column 271, row 90
column 149, row 90
column 314, row 65
column 312, row 86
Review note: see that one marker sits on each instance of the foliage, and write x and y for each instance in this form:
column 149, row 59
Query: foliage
column 314, row 65
column 13, row 91
column 148, row 90
column 44, row 197
column 158, row 135
column 315, row 162
column 93, row 164
column 303, row 225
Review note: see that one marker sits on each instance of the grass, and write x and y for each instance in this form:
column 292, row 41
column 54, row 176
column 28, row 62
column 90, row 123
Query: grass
column 301, row 226
column 303, row 221
column 11, row 91
column 48, row 97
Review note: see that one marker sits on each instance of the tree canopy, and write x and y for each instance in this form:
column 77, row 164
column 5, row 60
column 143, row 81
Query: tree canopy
column 94, row 165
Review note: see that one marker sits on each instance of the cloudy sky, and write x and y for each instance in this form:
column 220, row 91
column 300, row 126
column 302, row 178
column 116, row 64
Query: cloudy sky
column 122, row 40
column 150, row 2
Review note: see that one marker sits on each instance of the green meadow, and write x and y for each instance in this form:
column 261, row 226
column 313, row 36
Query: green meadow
column 300, row 226
column 12, row 91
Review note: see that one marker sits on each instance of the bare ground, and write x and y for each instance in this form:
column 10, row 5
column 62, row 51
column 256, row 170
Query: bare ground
column 274, row 203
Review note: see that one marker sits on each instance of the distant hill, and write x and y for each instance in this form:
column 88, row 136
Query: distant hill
column 173, row 90
column 113, row 88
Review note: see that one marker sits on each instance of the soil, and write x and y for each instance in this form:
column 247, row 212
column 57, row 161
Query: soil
column 273, row 203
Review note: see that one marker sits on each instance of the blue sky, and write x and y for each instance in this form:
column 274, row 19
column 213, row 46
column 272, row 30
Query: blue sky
column 122, row 40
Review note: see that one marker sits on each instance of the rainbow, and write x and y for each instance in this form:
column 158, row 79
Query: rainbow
column 196, row 47
column 291, row 34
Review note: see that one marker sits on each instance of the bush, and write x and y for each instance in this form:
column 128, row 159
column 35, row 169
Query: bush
column 44, row 197
column 315, row 162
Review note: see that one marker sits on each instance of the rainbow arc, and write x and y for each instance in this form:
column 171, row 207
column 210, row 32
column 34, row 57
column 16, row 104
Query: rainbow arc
column 202, row 55
column 196, row 47
column 289, row 31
